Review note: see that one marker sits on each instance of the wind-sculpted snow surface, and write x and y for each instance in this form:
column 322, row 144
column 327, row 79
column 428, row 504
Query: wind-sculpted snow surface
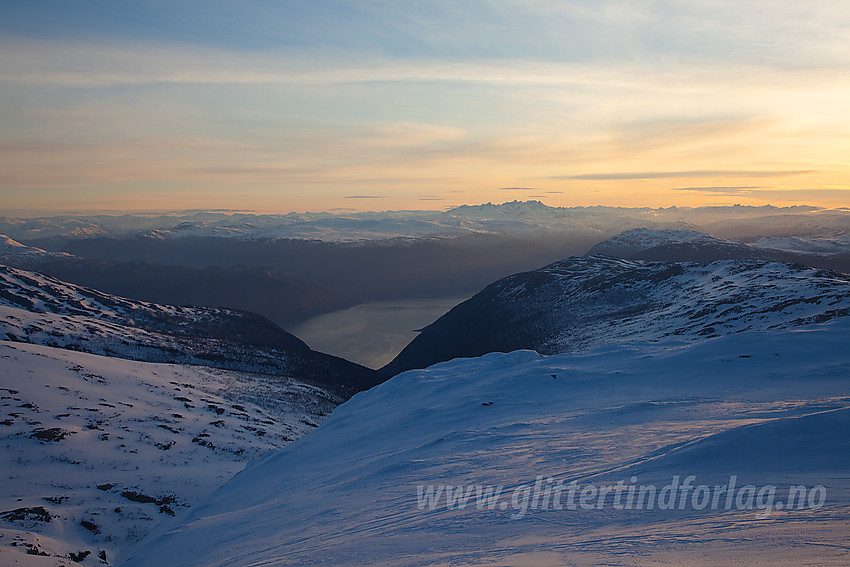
column 99, row 450
column 744, row 440
column 584, row 302
column 39, row 309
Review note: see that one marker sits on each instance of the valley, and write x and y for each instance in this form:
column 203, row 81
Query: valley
column 373, row 333
column 371, row 429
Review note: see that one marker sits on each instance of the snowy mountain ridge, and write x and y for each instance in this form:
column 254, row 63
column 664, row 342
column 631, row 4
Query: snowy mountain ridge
column 39, row 309
column 25, row 255
column 583, row 302
column 627, row 243
column 257, row 289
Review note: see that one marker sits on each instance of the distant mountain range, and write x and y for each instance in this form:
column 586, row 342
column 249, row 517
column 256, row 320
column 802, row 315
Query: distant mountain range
column 583, row 302
column 295, row 266
column 515, row 217
column 368, row 270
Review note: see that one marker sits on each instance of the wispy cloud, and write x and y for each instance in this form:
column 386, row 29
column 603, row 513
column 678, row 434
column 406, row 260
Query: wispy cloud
column 683, row 174
column 88, row 64
column 718, row 30
column 831, row 195
column 719, row 190
column 295, row 102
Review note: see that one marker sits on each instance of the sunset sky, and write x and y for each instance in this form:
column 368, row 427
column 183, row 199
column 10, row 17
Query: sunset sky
column 288, row 105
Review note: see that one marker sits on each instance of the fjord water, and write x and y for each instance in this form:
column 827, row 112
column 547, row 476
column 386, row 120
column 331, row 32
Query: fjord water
column 373, row 333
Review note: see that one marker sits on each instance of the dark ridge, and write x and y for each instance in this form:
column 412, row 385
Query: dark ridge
column 222, row 338
column 584, row 302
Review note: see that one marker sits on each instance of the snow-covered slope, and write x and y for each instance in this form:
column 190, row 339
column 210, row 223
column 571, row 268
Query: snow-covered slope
column 97, row 451
column 728, row 415
column 13, row 252
column 643, row 238
column 806, row 245
column 12, row 247
column 672, row 245
column 257, row 289
column 38, row 309
column 583, row 302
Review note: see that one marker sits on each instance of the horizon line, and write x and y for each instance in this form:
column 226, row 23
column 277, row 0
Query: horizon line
column 40, row 213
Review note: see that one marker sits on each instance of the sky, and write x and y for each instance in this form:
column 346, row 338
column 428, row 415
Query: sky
column 286, row 105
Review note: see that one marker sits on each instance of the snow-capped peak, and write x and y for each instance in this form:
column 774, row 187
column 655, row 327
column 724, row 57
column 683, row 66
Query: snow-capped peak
column 511, row 209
